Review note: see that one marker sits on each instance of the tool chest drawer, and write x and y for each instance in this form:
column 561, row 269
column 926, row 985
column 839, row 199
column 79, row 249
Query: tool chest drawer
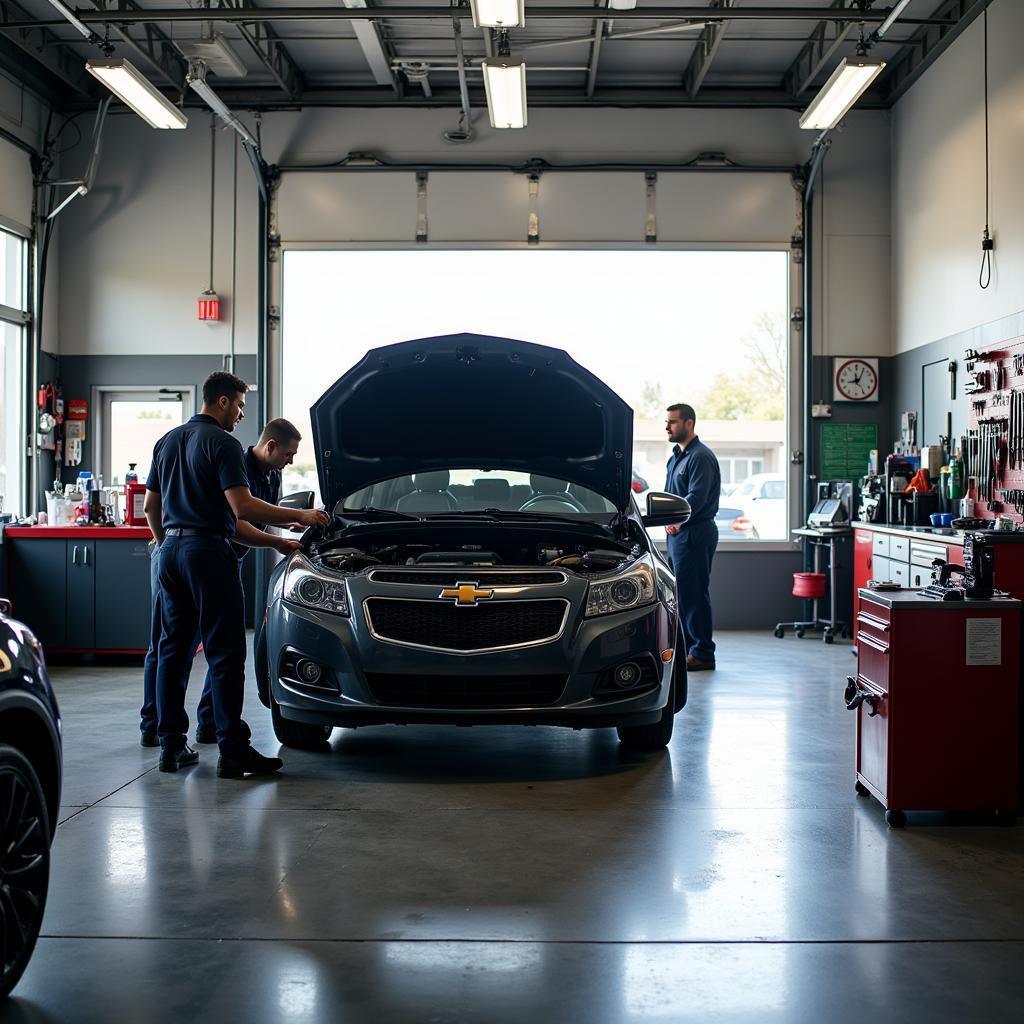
column 880, row 544
column 873, row 659
column 923, row 554
column 873, row 736
column 872, row 625
column 899, row 547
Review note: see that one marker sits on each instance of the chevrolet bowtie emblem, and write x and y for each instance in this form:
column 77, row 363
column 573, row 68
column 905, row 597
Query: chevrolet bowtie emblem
column 465, row 594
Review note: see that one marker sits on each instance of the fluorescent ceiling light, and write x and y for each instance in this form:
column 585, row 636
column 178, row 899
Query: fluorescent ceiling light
column 505, row 83
column 196, row 80
column 883, row 28
column 622, row 5
column 127, row 83
column 72, row 18
column 498, row 13
column 840, row 92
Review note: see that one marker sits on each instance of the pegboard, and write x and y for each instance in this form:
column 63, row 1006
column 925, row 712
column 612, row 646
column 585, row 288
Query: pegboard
column 993, row 447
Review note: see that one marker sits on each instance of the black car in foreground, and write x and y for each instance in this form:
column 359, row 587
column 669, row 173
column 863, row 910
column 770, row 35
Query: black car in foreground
column 30, row 778
column 486, row 562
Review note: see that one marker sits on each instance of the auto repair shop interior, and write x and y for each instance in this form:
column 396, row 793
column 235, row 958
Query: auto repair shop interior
column 559, row 218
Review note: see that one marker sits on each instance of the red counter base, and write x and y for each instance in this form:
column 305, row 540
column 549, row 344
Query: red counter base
column 79, row 532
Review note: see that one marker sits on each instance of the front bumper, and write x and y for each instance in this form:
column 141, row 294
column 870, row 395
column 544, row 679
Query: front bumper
column 354, row 661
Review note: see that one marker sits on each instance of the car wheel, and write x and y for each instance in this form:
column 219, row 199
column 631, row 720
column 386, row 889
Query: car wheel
column 24, row 863
column 654, row 736
column 300, row 735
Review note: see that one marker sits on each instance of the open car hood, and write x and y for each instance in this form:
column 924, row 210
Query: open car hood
column 465, row 401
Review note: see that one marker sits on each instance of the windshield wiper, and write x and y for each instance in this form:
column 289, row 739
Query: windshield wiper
column 386, row 512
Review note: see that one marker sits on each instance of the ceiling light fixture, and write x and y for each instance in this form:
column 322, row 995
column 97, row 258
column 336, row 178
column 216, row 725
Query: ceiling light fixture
column 884, row 27
column 505, row 84
column 840, row 92
column 127, row 83
column 196, row 80
column 622, row 5
column 498, row 13
column 73, row 19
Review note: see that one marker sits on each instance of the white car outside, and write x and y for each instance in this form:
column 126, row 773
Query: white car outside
column 763, row 500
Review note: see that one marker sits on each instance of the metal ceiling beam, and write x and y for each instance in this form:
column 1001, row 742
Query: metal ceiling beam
column 595, row 49
column 270, row 51
column 154, row 46
column 45, row 48
column 927, row 44
column 134, row 15
column 818, row 51
column 706, row 48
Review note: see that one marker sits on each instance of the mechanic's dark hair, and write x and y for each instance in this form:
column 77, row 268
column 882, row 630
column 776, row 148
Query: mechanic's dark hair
column 220, row 382
column 685, row 411
column 280, row 430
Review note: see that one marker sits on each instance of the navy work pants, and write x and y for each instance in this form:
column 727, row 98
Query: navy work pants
column 200, row 587
column 690, row 552
column 147, row 718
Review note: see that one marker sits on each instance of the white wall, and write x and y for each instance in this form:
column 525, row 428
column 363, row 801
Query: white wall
column 134, row 252
column 938, row 186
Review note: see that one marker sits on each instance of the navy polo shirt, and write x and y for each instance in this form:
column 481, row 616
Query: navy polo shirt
column 693, row 474
column 193, row 465
column 264, row 484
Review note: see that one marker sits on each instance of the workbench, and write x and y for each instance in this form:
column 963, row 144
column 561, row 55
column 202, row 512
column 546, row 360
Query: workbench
column 81, row 589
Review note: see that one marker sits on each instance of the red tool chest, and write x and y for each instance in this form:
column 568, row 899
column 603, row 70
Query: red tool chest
column 937, row 699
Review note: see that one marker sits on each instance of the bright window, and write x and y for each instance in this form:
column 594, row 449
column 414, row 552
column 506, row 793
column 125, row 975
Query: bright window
column 133, row 421
column 13, row 344
column 659, row 326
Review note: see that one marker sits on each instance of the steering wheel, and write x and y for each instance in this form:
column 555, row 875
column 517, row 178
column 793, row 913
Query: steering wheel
column 564, row 502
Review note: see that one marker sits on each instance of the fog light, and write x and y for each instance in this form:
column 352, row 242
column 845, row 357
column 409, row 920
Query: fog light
column 309, row 671
column 627, row 674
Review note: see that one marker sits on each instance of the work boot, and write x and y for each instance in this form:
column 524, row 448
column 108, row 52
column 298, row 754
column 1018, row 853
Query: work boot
column 698, row 665
column 252, row 762
column 149, row 738
column 206, row 733
column 172, row 760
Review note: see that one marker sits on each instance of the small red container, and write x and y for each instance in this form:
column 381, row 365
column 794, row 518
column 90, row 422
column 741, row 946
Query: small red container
column 135, row 495
column 808, row 584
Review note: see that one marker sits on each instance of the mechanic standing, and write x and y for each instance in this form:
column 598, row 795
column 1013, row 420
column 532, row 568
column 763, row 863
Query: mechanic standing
column 196, row 492
column 264, row 461
column 693, row 474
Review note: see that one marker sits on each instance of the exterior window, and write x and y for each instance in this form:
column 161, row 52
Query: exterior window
column 13, row 387
column 133, row 421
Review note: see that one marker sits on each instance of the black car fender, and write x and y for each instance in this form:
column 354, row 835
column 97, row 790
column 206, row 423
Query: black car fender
column 27, row 724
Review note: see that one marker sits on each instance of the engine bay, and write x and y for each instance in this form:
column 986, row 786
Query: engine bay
column 439, row 546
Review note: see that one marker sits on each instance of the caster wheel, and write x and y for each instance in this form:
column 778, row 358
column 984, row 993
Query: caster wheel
column 800, row 633
column 828, row 638
column 861, row 789
column 780, row 632
column 895, row 819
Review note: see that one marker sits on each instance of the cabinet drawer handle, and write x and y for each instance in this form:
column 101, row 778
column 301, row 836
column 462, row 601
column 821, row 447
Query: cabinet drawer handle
column 856, row 695
column 74, row 555
column 85, row 554
column 866, row 638
column 865, row 619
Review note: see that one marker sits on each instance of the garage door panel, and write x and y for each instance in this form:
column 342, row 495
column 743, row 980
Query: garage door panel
column 347, row 207
column 477, row 207
column 592, row 207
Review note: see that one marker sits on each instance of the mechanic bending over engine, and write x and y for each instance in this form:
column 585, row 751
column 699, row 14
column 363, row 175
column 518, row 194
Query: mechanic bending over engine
column 277, row 447
column 693, row 474
column 196, row 492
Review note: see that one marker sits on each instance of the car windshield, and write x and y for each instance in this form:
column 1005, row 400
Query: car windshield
column 458, row 491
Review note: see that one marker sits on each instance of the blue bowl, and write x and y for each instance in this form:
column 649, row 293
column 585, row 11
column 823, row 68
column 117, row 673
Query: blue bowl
column 936, row 518
column 947, row 518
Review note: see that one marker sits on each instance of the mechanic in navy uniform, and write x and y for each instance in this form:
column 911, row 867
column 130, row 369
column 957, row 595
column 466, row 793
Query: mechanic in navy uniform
column 277, row 447
column 693, row 474
column 196, row 492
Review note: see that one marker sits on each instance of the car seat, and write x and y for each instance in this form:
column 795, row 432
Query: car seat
column 430, row 494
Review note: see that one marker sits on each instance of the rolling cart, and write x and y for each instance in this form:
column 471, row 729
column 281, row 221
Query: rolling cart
column 821, row 539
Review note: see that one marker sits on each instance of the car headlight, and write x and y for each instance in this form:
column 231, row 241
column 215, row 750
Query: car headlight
column 625, row 590
column 314, row 588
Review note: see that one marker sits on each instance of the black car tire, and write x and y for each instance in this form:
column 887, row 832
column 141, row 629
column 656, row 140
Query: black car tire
column 24, row 863
column 299, row 735
column 655, row 736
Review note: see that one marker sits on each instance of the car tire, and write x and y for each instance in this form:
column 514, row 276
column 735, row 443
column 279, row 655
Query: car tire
column 298, row 735
column 24, row 864
column 655, row 736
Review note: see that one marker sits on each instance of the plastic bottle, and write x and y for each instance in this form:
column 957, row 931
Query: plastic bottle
column 956, row 488
column 131, row 477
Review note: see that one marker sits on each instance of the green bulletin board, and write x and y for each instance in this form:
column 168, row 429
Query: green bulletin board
column 844, row 449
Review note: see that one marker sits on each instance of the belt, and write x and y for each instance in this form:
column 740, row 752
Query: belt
column 178, row 531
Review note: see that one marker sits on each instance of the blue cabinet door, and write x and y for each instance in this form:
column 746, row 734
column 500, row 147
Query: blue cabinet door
column 39, row 595
column 122, row 595
column 81, row 583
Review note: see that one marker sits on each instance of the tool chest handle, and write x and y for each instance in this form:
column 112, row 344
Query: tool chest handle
column 856, row 695
column 869, row 620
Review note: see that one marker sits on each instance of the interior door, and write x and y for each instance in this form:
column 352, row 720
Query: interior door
column 133, row 421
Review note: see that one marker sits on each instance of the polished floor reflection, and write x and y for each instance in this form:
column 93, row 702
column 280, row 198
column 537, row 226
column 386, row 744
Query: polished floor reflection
column 442, row 874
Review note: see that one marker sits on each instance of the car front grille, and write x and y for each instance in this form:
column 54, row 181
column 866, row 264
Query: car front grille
column 465, row 691
column 453, row 577
column 443, row 626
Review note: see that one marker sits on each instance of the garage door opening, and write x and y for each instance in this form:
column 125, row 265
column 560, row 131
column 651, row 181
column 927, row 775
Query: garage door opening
column 705, row 327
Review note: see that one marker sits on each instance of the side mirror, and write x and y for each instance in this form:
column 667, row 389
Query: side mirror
column 300, row 499
column 665, row 509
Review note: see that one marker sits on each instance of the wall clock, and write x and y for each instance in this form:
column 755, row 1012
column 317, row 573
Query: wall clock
column 855, row 379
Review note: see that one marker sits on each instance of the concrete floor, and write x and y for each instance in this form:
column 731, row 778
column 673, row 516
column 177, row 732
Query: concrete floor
column 510, row 874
